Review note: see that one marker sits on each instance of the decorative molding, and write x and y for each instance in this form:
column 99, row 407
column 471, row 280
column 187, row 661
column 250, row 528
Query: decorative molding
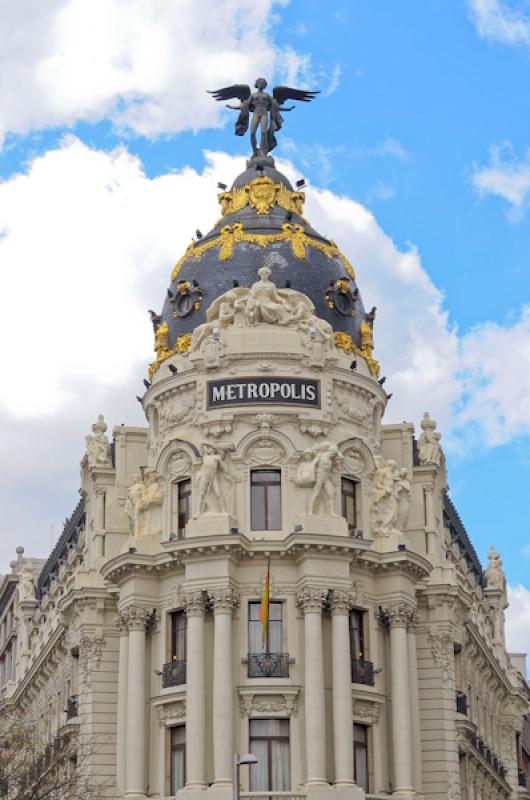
column 194, row 604
column 366, row 710
column 281, row 700
column 341, row 601
column 168, row 712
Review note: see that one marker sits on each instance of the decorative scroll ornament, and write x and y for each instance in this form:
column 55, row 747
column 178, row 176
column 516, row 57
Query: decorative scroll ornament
column 343, row 341
column 251, row 704
column 234, row 234
column 261, row 194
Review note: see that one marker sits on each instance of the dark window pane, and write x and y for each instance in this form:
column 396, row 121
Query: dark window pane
column 357, row 633
column 255, row 642
column 265, row 499
column 178, row 758
column 360, row 755
column 257, row 508
column 274, row 508
column 269, row 741
column 348, row 500
column 178, row 636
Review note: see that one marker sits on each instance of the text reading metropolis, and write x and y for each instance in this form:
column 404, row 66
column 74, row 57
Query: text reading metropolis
column 245, row 391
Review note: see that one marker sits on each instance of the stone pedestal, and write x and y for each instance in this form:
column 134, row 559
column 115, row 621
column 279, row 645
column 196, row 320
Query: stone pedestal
column 330, row 524
column 209, row 524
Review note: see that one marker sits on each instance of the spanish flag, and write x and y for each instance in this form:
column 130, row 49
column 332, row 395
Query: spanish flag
column 264, row 610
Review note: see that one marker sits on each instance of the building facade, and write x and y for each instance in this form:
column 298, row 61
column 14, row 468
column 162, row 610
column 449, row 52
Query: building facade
column 383, row 667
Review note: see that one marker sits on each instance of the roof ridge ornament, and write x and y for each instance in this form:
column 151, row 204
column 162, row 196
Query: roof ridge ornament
column 265, row 110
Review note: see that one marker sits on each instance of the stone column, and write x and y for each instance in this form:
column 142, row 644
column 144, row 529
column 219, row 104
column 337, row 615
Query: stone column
column 398, row 615
column 341, row 602
column 224, row 602
column 414, row 704
column 195, row 693
column 310, row 600
column 121, row 732
column 136, row 717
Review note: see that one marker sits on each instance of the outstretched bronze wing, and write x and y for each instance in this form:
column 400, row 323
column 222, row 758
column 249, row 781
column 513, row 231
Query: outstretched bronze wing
column 283, row 93
column 239, row 90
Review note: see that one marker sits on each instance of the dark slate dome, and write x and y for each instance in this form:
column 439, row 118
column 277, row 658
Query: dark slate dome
column 262, row 223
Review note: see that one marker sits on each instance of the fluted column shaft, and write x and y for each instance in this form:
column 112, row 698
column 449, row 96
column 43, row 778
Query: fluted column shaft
column 121, row 733
column 342, row 695
column 224, row 601
column 399, row 673
column 414, row 706
column 195, row 693
column 136, row 717
column 311, row 601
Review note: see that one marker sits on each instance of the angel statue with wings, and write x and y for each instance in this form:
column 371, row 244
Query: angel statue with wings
column 265, row 110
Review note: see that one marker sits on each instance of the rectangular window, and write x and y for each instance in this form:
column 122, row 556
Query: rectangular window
column 181, row 507
column 269, row 742
column 177, row 644
column 255, row 640
column 348, row 494
column 265, row 500
column 177, row 758
column 357, row 634
column 360, row 755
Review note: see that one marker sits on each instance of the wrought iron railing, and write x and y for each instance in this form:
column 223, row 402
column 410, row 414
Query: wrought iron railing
column 362, row 671
column 173, row 673
column 521, row 778
column 268, row 665
column 72, row 707
column 461, row 703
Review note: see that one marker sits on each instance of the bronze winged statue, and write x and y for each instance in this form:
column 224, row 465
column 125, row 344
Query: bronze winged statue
column 265, row 110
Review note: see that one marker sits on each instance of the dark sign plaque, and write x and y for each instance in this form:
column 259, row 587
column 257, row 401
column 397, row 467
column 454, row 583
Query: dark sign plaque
column 255, row 391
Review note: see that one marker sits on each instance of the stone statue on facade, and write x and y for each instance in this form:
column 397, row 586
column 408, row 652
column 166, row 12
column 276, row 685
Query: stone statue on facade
column 210, row 495
column 26, row 583
column 390, row 498
column 429, row 448
column 494, row 571
column 316, row 471
column 144, row 503
column 263, row 303
column 264, row 108
column 97, row 445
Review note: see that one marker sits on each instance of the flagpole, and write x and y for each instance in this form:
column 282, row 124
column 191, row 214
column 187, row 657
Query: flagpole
column 267, row 641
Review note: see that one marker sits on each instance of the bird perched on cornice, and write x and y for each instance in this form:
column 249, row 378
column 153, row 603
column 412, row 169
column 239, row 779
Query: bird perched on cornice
column 265, row 109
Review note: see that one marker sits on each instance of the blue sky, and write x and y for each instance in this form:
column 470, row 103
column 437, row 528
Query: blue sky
column 423, row 120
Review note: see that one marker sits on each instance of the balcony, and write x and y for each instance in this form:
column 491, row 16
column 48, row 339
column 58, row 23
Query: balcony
column 72, row 708
column 461, row 703
column 268, row 665
column 521, row 778
column 362, row 671
column 173, row 674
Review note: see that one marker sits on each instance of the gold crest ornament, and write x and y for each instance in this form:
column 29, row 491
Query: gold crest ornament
column 262, row 193
column 343, row 341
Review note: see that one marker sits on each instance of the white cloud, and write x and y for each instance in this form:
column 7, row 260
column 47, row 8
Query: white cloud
column 391, row 147
column 145, row 64
column 496, row 20
column 518, row 620
column 489, row 353
column 507, row 177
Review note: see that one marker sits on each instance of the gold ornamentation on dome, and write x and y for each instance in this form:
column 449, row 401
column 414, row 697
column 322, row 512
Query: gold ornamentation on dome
column 182, row 345
column 161, row 340
column 343, row 341
column 233, row 234
column 261, row 194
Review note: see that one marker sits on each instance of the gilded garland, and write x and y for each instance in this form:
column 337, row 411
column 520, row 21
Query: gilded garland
column 261, row 194
column 234, row 234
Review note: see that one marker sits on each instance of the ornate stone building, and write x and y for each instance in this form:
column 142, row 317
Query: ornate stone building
column 383, row 670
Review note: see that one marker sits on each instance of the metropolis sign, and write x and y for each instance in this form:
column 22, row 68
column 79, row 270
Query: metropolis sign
column 247, row 391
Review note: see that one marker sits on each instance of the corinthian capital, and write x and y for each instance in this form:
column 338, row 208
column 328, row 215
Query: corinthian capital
column 399, row 614
column 223, row 600
column 341, row 601
column 122, row 623
column 311, row 598
column 194, row 603
column 136, row 618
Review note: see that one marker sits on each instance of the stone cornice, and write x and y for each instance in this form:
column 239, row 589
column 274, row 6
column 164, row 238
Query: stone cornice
column 37, row 667
column 239, row 547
